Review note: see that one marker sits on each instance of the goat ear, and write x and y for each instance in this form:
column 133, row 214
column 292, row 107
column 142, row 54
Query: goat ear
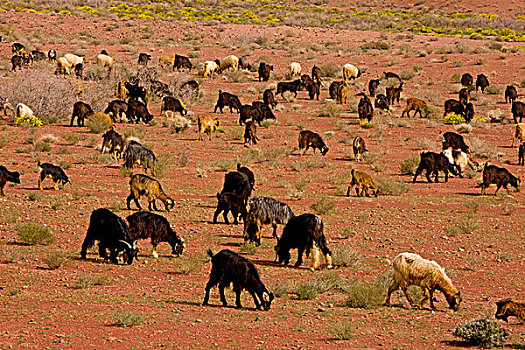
column 266, row 297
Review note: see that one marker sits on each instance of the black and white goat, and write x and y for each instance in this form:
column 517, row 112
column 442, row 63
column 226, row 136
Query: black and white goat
column 265, row 211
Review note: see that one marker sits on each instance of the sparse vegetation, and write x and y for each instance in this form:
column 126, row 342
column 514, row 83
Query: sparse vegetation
column 482, row 332
column 127, row 318
column 34, row 234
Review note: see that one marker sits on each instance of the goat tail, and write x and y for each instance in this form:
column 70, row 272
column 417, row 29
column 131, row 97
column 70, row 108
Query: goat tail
column 210, row 253
column 388, row 262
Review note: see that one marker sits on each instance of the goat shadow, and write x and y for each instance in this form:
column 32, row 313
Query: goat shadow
column 466, row 345
column 231, row 305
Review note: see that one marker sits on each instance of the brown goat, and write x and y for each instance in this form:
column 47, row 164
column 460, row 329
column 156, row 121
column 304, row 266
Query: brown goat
column 508, row 307
column 207, row 125
column 250, row 133
column 342, row 93
column 144, row 185
column 417, row 105
column 362, row 181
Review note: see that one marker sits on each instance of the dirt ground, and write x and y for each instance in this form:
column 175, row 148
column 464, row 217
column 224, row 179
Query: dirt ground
column 47, row 309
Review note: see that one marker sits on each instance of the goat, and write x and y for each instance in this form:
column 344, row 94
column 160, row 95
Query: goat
column 316, row 74
column 265, row 211
column 112, row 233
column 250, row 133
column 264, row 71
column 54, row 172
column 304, row 232
column 342, row 93
column 144, row 58
column 350, row 72
column 519, row 134
column 518, row 110
column 244, row 63
column 467, row 80
column 373, row 84
column 117, row 109
column 207, row 125
column 248, row 112
column 264, row 112
column 112, row 143
column 363, row 182
column 248, row 173
column 173, row 104
column 381, row 102
column 19, row 61
column 454, row 141
column 311, row 139
column 228, row 201
column 227, row 99
column 521, row 154
column 136, row 154
column 52, row 55
column 238, row 182
column 295, row 69
column 143, row 225
column 391, row 75
column 19, row 49
column 333, row 90
column 394, row 93
column 229, row 267
column 314, row 90
column 211, row 67
column 499, row 176
column 359, row 147
column 508, row 307
column 432, row 163
column 181, row 62
column 417, row 105
column 365, row 109
column 38, row 56
column 464, row 96
column 411, row 269
column 292, row 86
column 460, row 160
column 511, row 94
column 138, row 111
column 81, row 111
column 7, row 176
column 136, row 92
column 139, row 185
column 269, row 98
column 228, row 62
column 482, row 82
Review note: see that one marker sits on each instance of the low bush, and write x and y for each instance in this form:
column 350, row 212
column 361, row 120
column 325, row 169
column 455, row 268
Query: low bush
column 391, row 187
column 85, row 280
column 346, row 256
column 323, row 206
column 482, row 332
column 55, row 260
column 343, row 330
column 127, row 318
column 330, row 70
column 364, row 294
column 99, row 123
column 454, row 118
column 329, row 109
column 33, row 234
column 409, row 165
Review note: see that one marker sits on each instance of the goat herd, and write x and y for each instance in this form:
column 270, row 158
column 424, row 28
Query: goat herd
column 303, row 232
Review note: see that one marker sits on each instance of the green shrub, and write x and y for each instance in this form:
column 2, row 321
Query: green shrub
column 55, row 260
column 343, row 330
column 248, row 248
column 85, row 280
column 329, row 109
column 33, row 234
column 391, row 187
column 99, row 123
column 365, row 295
column 308, row 290
column 482, row 332
column 43, row 146
column 127, row 318
column 162, row 164
column 346, row 256
column 330, row 70
column 409, row 165
column 323, row 206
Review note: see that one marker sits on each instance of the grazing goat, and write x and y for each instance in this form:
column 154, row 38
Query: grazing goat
column 181, row 62
column 265, row 211
column 105, row 61
column 19, row 49
column 229, row 267
column 307, row 81
column 112, row 143
column 482, row 82
column 499, row 176
column 63, row 67
column 211, row 67
column 464, row 96
column 138, row 111
column 316, row 74
column 79, row 70
column 228, row 62
column 250, row 133
column 508, row 307
column 143, row 185
column 394, row 93
column 173, row 104
column 159, row 88
column 350, row 72
column 433, row 163
column 365, row 109
column 38, row 56
column 342, row 93
column 81, row 111
column 518, row 110
column 167, row 61
column 136, row 155
column 244, row 63
column 19, row 61
column 207, row 125
column 311, row 139
column 412, row 270
column 314, row 90
column 143, row 225
column 363, row 182
column 521, row 154
column 136, row 92
column 511, row 94
column 269, row 98
column 248, row 112
column 454, row 141
column 117, row 109
column 112, row 233
column 73, row 59
column 460, row 160
column 23, row 111
column 519, row 134
column 333, row 90
column 264, row 112
column 7, row 176
column 248, row 173
column 292, row 86
column 191, row 88
column 453, row 106
column 467, row 80
column 228, row 201
column 373, row 84
column 227, row 99
column 264, row 71
column 144, row 58
column 295, row 69
column 381, row 102
column 237, row 182
column 54, row 172
column 304, row 232
column 417, row 105
column 359, row 147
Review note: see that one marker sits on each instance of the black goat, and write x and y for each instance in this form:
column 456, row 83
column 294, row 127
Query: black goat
column 7, row 176
column 229, row 267
column 248, row 173
column 433, row 162
column 292, row 86
column 112, row 233
column 112, row 143
column 269, row 98
column 365, row 109
column 143, row 225
column 227, row 99
column 304, row 232
column 117, row 109
column 467, row 80
column 381, row 102
column 394, row 93
column 511, row 94
column 137, row 92
column 265, row 112
column 482, row 82
column 309, row 139
column 334, row 87
column 81, row 111
column 264, row 71
column 314, row 90
column 136, row 154
column 172, row 104
column 499, row 176
column 249, row 112
column 56, row 173
column 518, row 111
column 238, row 183
column 138, row 111
column 181, row 62
column 228, row 201
column 373, row 84
column 454, row 141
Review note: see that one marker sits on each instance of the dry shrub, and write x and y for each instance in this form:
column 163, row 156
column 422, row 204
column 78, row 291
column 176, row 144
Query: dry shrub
column 407, row 74
column 427, row 144
column 409, row 165
column 55, row 260
column 308, row 290
column 323, row 206
column 388, row 186
column 330, row 70
column 495, row 89
column 343, row 330
column 178, row 123
column 329, row 109
column 346, row 256
column 162, row 163
column 99, row 123
column 463, row 128
column 85, row 280
column 127, row 318
column 482, row 332
column 365, row 295
column 495, row 116
column 483, row 149
column 33, row 234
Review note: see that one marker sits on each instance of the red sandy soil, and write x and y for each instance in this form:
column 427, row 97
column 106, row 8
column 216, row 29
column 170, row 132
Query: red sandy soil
column 45, row 312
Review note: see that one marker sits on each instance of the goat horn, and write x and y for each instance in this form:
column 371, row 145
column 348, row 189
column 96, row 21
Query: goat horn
column 126, row 243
